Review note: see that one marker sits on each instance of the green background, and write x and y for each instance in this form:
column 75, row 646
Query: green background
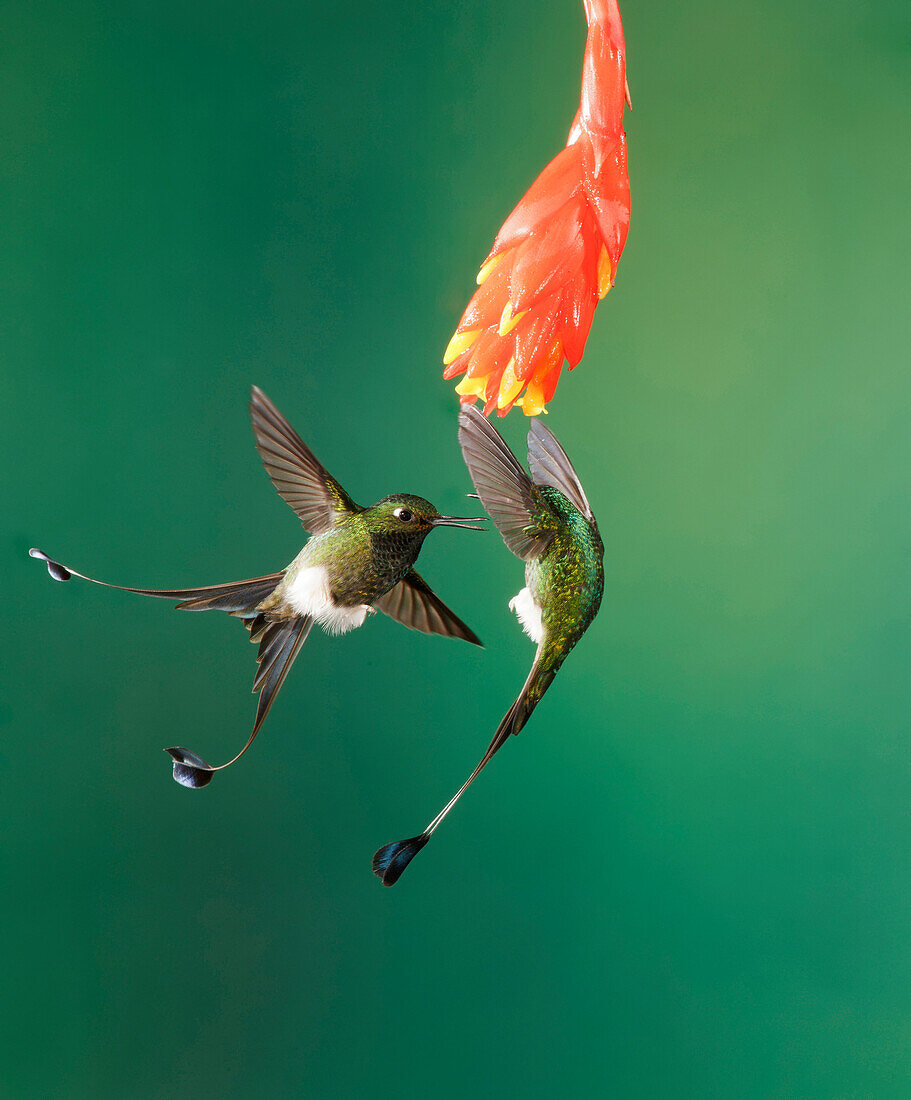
column 690, row 876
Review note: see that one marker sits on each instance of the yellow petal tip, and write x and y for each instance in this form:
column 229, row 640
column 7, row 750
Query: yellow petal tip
column 510, row 386
column 472, row 387
column 532, row 401
column 509, row 320
column 605, row 273
column 487, row 268
column 461, row 341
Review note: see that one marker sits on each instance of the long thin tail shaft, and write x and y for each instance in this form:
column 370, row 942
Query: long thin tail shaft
column 279, row 644
column 233, row 597
column 392, row 859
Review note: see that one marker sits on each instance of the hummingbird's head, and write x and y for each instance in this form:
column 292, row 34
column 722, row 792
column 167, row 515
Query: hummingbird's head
column 403, row 513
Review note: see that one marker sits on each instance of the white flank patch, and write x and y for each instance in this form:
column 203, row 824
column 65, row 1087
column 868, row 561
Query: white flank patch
column 309, row 595
column 528, row 614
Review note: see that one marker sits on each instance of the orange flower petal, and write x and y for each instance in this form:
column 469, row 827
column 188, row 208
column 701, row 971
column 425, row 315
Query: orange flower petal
column 545, row 261
column 486, row 303
column 535, row 339
column 556, row 254
column 574, row 332
column 553, row 187
column 458, row 365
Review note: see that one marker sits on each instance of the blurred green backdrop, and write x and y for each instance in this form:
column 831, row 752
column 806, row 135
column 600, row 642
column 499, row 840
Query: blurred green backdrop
column 690, row 876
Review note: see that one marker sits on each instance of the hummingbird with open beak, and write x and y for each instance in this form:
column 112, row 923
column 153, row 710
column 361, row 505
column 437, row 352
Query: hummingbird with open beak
column 357, row 560
column 546, row 520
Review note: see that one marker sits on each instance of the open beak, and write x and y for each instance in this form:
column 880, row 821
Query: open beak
column 457, row 521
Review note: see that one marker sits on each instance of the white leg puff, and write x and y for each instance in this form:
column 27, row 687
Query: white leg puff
column 529, row 615
column 309, row 594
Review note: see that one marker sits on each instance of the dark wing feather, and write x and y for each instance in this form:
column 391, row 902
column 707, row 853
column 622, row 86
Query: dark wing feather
column 233, row 598
column 550, row 465
column 279, row 644
column 300, row 478
column 414, row 604
column 504, row 488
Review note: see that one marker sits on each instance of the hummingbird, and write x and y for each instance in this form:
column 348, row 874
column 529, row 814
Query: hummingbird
column 545, row 519
column 357, row 560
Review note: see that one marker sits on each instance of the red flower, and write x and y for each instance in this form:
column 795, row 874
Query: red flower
column 556, row 255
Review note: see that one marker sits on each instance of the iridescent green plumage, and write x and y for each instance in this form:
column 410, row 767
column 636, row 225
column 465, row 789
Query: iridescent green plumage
column 567, row 578
column 546, row 520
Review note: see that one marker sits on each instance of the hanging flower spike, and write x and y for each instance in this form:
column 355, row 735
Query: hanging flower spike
column 556, row 255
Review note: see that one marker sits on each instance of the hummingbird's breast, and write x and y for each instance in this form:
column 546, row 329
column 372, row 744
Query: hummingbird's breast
column 567, row 580
column 329, row 581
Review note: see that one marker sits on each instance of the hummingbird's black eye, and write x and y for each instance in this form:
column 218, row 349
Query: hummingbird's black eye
column 404, row 515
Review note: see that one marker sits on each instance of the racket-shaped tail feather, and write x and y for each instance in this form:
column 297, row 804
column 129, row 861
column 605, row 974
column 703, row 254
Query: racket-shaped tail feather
column 279, row 643
column 390, row 861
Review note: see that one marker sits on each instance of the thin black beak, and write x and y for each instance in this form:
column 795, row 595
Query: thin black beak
column 456, row 521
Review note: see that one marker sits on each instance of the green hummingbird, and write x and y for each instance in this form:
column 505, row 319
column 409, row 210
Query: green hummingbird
column 357, row 560
column 546, row 520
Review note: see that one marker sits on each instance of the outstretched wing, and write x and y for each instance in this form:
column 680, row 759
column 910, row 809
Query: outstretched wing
column 414, row 604
column 504, row 488
column 300, row 478
column 549, row 465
